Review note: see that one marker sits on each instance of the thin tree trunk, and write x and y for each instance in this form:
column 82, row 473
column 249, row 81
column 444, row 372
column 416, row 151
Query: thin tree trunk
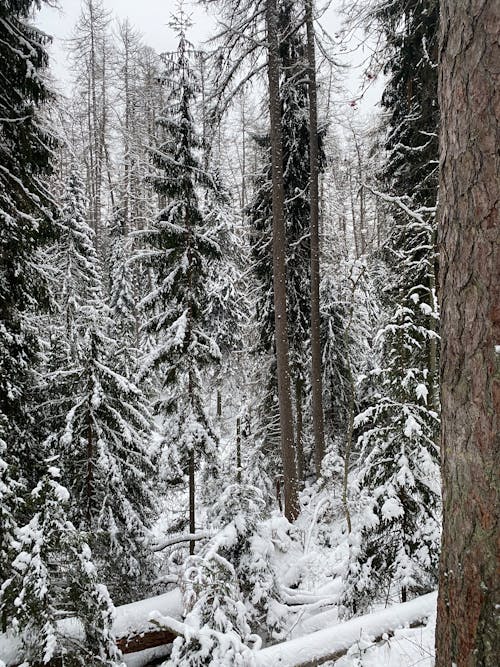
column 238, row 450
column 219, row 404
column 316, row 376
column 89, row 481
column 279, row 271
column 299, row 385
column 468, row 628
column 192, row 511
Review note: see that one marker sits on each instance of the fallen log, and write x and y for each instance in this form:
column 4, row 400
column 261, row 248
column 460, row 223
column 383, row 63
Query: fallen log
column 332, row 643
column 132, row 628
column 150, row 639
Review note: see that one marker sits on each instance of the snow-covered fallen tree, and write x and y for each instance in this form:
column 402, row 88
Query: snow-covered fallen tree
column 132, row 627
column 333, row 642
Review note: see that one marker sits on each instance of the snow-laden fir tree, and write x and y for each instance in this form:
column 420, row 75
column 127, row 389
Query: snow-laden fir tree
column 230, row 585
column 98, row 419
column 52, row 575
column 26, row 224
column 79, row 279
column 181, row 249
column 123, row 299
column 395, row 547
column 217, row 617
column 104, row 445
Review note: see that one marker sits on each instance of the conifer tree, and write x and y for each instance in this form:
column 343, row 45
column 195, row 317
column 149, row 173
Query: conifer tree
column 8, row 525
column 98, row 419
column 395, row 547
column 295, row 135
column 104, row 446
column 26, row 212
column 181, row 247
column 123, row 300
column 53, row 575
column 77, row 264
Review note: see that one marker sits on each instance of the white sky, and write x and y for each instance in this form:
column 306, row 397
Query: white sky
column 151, row 17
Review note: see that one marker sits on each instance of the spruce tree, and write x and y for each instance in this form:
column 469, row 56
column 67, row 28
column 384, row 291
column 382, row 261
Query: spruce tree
column 26, row 225
column 95, row 416
column 79, row 279
column 123, row 299
column 104, row 444
column 182, row 246
column 395, row 547
column 26, row 217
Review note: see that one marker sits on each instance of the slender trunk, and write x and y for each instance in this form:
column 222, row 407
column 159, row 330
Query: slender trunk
column 299, row 385
column 355, row 232
column 90, row 471
column 316, row 376
column 238, row 450
column 189, row 324
column 279, row 270
column 192, row 513
column 468, row 627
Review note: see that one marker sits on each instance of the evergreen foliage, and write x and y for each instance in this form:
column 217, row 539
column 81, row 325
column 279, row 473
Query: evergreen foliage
column 26, row 213
column 398, row 540
column 104, row 446
column 181, row 249
column 122, row 302
column 97, row 419
column 77, row 264
column 52, row 574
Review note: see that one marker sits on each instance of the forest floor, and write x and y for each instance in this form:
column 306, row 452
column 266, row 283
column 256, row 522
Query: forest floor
column 310, row 560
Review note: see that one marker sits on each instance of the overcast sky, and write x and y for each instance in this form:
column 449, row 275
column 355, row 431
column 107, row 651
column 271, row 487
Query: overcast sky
column 151, row 17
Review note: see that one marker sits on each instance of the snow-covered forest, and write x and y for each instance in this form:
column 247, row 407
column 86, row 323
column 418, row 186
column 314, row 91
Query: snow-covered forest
column 222, row 358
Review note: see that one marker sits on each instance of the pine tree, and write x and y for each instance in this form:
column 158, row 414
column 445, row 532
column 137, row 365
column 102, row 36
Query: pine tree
column 53, row 575
column 181, row 248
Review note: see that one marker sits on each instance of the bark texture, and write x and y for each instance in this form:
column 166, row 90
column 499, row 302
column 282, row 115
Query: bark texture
column 279, row 271
column 469, row 94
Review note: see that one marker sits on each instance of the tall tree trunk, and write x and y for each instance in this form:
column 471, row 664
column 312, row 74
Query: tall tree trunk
column 279, row 270
column 316, row 376
column 469, row 95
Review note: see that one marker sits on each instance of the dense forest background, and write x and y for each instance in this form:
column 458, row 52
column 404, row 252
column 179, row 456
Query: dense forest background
column 219, row 337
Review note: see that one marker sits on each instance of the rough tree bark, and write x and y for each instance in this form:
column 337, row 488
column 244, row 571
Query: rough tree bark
column 469, row 95
column 316, row 376
column 279, row 270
